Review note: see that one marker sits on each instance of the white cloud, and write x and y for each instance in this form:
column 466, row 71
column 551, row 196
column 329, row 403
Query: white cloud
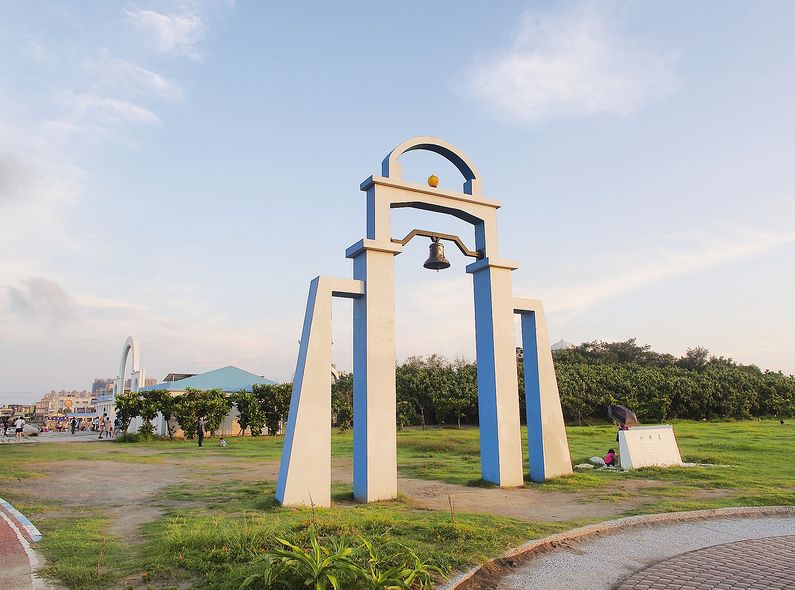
column 108, row 109
column 703, row 248
column 79, row 334
column 176, row 34
column 118, row 74
column 568, row 65
column 41, row 299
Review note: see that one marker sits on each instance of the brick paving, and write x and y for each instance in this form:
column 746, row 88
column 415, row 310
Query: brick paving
column 756, row 564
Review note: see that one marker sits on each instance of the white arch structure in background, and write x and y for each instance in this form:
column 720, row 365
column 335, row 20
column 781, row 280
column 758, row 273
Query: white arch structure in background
column 131, row 352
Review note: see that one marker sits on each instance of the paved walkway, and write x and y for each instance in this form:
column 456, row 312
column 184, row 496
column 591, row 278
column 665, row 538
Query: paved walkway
column 63, row 437
column 19, row 561
column 606, row 562
column 756, row 564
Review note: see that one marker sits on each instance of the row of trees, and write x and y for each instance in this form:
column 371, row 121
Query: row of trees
column 430, row 390
column 434, row 390
column 265, row 408
column 661, row 386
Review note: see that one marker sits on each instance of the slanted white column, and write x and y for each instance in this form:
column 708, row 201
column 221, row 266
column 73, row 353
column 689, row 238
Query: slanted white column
column 374, row 398
column 498, row 398
column 305, row 471
column 547, row 443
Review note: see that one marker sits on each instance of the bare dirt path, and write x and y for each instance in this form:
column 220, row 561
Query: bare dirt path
column 128, row 491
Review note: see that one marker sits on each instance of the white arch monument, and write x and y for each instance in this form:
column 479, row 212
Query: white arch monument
column 131, row 352
column 131, row 355
column 305, row 472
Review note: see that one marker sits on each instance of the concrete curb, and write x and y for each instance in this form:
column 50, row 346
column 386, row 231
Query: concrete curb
column 611, row 526
column 29, row 528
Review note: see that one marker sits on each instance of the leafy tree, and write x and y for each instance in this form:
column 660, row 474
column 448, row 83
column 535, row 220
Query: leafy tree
column 275, row 403
column 695, row 359
column 342, row 402
column 127, row 408
column 454, row 392
column 251, row 414
column 406, row 414
column 167, row 405
column 148, row 406
column 213, row 404
column 186, row 412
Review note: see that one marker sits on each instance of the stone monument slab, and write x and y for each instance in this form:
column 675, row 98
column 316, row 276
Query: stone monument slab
column 648, row 446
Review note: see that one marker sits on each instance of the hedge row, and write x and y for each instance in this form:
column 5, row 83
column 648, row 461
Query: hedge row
column 433, row 390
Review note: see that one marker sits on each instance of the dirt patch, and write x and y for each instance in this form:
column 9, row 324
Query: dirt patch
column 124, row 490
column 521, row 503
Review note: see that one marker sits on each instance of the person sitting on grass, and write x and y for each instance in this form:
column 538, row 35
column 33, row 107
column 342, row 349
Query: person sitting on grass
column 222, row 442
column 610, row 458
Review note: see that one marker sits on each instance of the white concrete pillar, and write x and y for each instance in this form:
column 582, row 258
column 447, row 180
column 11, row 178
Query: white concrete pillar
column 374, row 398
column 305, row 470
column 547, row 443
column 498, row 398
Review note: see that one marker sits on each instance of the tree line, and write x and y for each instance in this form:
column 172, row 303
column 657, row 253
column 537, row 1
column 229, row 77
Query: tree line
column 661, row 386
column 657, row 386
column 432, row 390
column 262, row 410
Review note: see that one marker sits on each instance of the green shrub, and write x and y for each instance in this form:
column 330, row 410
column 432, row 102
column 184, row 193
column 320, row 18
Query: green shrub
column 339, row 567
column 128, row 437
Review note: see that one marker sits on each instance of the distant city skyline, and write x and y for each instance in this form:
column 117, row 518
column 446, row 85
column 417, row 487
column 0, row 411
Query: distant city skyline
column 642, row 153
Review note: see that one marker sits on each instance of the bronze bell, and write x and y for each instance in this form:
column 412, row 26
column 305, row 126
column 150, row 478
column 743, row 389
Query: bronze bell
column 436, row 260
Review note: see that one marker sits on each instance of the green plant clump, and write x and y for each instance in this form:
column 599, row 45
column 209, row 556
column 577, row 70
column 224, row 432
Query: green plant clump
column 339, row 566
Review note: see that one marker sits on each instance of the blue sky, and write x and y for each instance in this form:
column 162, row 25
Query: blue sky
column 179, row 171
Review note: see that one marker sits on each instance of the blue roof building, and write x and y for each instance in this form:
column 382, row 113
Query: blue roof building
column 228, row 379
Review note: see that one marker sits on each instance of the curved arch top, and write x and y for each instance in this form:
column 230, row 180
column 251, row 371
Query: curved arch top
column 390, row 167
column 130, row 348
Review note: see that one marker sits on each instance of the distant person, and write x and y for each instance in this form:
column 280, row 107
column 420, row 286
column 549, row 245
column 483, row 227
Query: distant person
column 116, row 424
column 108, row 426
column 782, row 422
column 19, row 426
column 610, row 458
column 222, row 442
column 5, row 425
column 621, row 427
column 73, row 425
column 101, row 425
column 200, row 424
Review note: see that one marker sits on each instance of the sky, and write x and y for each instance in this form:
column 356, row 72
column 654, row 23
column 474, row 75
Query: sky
column 179, row 171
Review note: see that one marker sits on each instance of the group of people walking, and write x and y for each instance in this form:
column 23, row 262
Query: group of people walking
column 19, row 427
column 107, row 426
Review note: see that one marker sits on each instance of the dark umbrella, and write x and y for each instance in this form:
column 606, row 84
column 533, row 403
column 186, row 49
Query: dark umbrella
column 622, row 415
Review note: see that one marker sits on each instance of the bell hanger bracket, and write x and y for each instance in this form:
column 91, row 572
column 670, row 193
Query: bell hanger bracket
column 435, row 236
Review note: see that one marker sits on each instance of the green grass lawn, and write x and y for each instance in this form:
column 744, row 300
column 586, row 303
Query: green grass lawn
column 761, row 455
column 212, row 533
column 242, row 520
